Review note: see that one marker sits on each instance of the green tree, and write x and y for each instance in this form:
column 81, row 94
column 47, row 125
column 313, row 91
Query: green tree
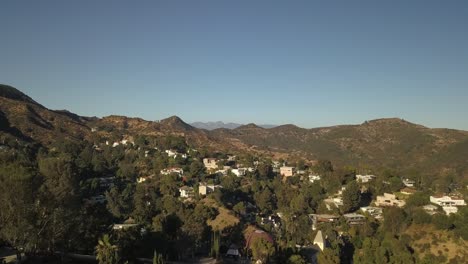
column 262, row 249
column 106, row 252
column 351, row 197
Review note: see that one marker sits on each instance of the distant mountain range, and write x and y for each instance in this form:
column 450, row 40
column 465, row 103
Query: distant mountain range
column 220, row 124
column 389, row 142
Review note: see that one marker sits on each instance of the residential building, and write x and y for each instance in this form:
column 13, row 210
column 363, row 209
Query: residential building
column 376, row 212
column 239, row 172
column 354, row 219
column 365, row 178
column 408, row 191
column 445, row 200
column 186, row 192
column 313, row 178
column 205, row 189
column 287, row 171
column 388, row 199
column 430, row 209
column 210, row 163
column 408, row 182
column 171, row 170
column 144, row 178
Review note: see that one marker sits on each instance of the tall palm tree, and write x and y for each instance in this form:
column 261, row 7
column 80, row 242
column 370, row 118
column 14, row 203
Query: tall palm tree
column 106, row 253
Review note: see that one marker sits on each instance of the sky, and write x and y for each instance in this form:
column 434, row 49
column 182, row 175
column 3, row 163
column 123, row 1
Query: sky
column 310, row 63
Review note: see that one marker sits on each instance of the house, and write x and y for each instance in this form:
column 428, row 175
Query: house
column 408, row 182
column 450, row 209
column 320, row 241
column 445, row 200
column 174, row 154
column 171, row 170
column 271, row 219
column 186, row 192
column 171, row 152
column 376, row 212
column 354, row 219
column 287, row 171
column 144, row 178
column 322, row 218
column 239, row 172
column 365, row 178
column 408, row 191
column 430, row 209
column 313, row 178
column 210, row 163
column 205, row 189
column 388, row 199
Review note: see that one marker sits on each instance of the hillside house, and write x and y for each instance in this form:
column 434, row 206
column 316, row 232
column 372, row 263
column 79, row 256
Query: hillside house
column 365, row 178
column 240, row 172
column 171, row 170
column 314, row 178
column 287, row 171
column 388, row 199
column 408, row 191
column 409, row 183
column 186, row 192
column 322, row 218
column 210, row 163
column 376, row 212
column 445, row 200
column 205, row 189
column 144, row 178
column 354, row 219
column 430, row 209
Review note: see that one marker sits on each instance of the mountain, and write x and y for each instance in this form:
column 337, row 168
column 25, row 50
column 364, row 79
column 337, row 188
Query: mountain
column 220, row 124
column 389, row 142
column 215, row 125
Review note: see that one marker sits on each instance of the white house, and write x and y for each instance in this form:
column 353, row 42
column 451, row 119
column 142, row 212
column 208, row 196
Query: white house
column 144, row 178
column 430, row 209
column 287, row 171
column 354, row 219
column 186, row 191
column 373, row 211
column 388, row 199
column 365, row 178
column 313, row 178
column 210, row 163
column 408, row 182
column 205, row 189
column 239, row 172
column 171, row 170
column 445, row 200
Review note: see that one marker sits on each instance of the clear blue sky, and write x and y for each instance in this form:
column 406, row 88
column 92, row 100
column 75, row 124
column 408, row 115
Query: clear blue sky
column 311, row 63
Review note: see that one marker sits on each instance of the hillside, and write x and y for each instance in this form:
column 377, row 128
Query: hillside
column 392, row 142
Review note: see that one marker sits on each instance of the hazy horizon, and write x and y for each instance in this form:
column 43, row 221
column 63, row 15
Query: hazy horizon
column 312, row 64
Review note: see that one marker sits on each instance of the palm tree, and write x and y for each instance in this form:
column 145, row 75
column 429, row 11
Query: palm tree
column 106, row 253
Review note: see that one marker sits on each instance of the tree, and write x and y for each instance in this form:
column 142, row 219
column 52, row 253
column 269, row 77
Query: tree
column 262, row 249
column 265, row 200
column 106, row 252
column 329, row 256
column 351, row 197
column 394, row 220
column 296, row 259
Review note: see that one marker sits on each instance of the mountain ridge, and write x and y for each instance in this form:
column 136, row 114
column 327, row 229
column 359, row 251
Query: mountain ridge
column 389, row 142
